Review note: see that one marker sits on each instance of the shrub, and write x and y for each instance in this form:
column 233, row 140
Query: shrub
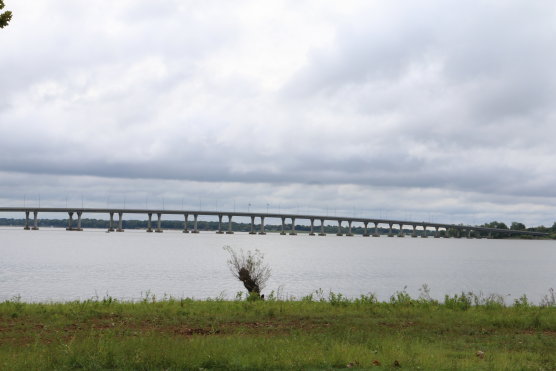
column 250, row 269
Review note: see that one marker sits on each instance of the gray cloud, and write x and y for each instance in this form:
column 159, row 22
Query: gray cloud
column 449, row 98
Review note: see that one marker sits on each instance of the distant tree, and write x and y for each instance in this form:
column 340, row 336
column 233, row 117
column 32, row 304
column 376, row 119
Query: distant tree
column 452, row 232
column 5, row 17
column 541, row 228
column 517, row 226
column 495, row 224
column 249, row 269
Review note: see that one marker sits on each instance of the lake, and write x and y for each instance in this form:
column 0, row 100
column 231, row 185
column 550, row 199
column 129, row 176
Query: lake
column 57, row 265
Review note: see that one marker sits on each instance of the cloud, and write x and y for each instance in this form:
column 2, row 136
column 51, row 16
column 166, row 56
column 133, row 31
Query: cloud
column 448, row 97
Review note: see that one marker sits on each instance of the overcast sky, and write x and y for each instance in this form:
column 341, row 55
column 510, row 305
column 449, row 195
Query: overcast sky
column 430, row 110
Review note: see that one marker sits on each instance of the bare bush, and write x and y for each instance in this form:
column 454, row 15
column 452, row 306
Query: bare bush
column 249, row 268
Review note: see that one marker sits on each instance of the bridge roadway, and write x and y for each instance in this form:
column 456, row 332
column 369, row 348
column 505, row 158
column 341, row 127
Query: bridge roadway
column 459, row 229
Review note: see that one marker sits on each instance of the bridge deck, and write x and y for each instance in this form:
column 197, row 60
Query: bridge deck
column 280, row 216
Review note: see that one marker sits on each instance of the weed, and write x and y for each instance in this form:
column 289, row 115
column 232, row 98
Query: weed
column 401, row 298
column 549, row 300
column 366, row 299
column 461, row 302
column 522, row 302
column 337, row 299
column 494, row 301
column 108, row 300
column 425, row 296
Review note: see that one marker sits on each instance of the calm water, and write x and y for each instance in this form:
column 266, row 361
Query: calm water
column 55, row 265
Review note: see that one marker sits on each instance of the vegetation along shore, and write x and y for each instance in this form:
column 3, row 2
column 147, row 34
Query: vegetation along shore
column 315, row 332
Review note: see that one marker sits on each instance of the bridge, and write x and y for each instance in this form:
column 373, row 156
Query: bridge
column 424, row 227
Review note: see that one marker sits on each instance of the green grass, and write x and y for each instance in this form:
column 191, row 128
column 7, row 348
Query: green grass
column 311, row 333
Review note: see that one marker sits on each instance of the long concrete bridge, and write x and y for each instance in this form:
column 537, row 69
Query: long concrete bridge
column 75, row 215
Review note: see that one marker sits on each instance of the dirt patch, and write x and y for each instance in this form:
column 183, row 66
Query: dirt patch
column 72, row 327
column 14, row 333
column 536, row 332
column 271, row 327
column 398, row 325
column 186, row 331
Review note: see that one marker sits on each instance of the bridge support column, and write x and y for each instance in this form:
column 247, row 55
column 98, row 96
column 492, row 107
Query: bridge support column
column 262, row 226
column 436, row 233
column 79, row 221
column 158, row 222
column 149, row 222
column 293, row 232
column 424, row 235
column 322, row 228
column 339, row 233
column 312, row 233
column 414, row 233
column 185, row 217
column 283, row 228
column 35, row 221
column 252, row 226
column 230, row 225
column 195, row 230
column 366, row 232
column 390, row 233
column 111, row 224
column 219, row 231
column 349, row 234
column 489, row 235
column 120, row 223
column 446, row 233
column 26, row 221
column 375, row 234
column 70, row 221
column 401, row 234
column 469, row 233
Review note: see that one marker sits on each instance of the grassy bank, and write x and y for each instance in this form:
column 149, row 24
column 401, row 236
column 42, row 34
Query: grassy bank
column 313, row 333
